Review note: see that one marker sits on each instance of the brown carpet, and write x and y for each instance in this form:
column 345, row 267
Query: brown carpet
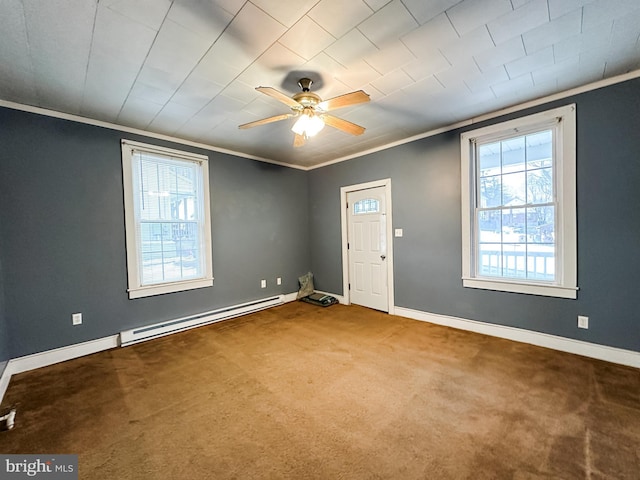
column 302, row 392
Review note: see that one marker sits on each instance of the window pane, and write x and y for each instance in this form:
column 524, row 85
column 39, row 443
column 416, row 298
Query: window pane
column 490, row 260
column 513, row 155
column 540, row 149
column 513, row 260
column 367, row 205
column 489, row 160
column 490, row 191
column 489, row 226
column 540, row 186
column 514, row 192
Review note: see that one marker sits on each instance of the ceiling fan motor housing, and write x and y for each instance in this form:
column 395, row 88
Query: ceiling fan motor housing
column 306, row 98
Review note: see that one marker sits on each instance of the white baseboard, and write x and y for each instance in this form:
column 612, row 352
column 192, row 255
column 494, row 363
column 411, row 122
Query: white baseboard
column 57, row 355
column 290, row 297
column 578, row 347
column 50, row 357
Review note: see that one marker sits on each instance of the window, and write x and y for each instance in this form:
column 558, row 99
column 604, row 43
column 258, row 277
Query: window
column 519, row 205
column 168, row 232
column 367, row 205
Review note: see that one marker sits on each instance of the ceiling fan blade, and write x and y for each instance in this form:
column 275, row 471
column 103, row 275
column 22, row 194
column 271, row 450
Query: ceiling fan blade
column 264, row 121
column 345, row 100
column 298, row 140
column 272, row 92
column 343, row 125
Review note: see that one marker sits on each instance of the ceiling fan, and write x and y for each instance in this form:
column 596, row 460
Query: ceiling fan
column 311, row 110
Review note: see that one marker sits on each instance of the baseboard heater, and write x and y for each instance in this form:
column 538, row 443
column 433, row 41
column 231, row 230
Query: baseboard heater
column 136, row 335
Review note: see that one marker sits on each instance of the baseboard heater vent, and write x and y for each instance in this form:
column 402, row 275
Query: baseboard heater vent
column 129, row 337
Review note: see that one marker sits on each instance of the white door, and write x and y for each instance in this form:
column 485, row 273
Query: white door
column 367, row 248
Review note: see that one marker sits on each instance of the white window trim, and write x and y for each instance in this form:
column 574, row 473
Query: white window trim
column 135, row 289
column 565, row 178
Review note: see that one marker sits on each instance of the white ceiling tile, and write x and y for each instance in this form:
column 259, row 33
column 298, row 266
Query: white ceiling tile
column 390, row 58
column 171, row 118
column 470, row 44
column 500, row 54
column 358, row 74
column 285, row 12
column 554, row 71
column 176, row 48
column 600, row 11
column 626, row 29
column 535, row 61
column 148, row 93
column 424, row 88
column 279, row 58
column 325, row 65
column 436, row 33
column 376, row 5
column 15, row 48
column 558, row 8
column 147, row 12
column 196, row 92
column 423, row 11
column 307, row 38
column 388, row 24
column 108, row 83
column 471, row 14
column 477, row 81
column 138, row 112
column 392, row 81
column 517, row 84
column 60, row 57
column 512, row 24
column 553, row 32
column 200, row 16
column 430, row 61
column 166, row 80
column 455, row 76
column 231, row 6
column 582, row 42
column 121, row 37
column 242, row 30
column 351, row 47
column 338, row 17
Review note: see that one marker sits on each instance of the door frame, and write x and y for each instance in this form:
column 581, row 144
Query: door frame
column 344, row 219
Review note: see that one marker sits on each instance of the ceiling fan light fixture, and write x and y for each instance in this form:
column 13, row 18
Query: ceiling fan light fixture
column 308, row 125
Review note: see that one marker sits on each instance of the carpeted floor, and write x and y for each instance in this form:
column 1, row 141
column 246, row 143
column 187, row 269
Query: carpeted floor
column 302, row 392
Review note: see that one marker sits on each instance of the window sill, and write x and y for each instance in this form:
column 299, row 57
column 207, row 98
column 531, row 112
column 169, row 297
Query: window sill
column 151, row 290
column 518, row 287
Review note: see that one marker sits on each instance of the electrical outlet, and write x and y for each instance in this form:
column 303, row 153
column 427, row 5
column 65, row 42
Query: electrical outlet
column 583, row 322
column 263, row 284
column 76, row 319
column 279, row 281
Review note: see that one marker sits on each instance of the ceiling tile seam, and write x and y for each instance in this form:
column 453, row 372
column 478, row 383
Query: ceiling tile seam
column 86, row 70
column 524, row 48
column 155, row 38
column 407, row 9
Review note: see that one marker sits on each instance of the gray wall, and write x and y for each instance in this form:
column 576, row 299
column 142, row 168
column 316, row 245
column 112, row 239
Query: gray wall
column 62, row 241
column 4, row 329
column 425, row 178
